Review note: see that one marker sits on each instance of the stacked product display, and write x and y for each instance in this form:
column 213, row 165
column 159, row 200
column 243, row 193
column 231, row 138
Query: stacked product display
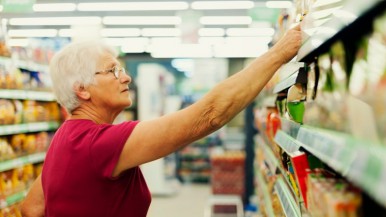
column 28, row 117
column 194, row 160
column 321, row 148
column 227, row 176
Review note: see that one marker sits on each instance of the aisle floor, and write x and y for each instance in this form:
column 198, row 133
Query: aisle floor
column 189, row 201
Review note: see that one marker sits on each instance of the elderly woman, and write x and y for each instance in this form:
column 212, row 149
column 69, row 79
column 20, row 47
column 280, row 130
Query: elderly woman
column 92, row 166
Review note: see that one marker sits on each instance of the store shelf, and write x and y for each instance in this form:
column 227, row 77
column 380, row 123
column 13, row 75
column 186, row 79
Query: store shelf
column 275, row 165
column 359, row 161
column 26, row 95
column 290, row 208
column 290, row 127
column 286, row 142
column 17, row 162
column 29, row 65
column 262, row 185
column 12, row 199
column 297, row 75
column 351, row 20
column 28, row 128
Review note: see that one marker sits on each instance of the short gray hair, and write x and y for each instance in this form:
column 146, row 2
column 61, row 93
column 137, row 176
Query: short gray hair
column 75, row 65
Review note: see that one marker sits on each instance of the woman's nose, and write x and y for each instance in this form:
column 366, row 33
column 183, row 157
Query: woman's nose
column 125, row 78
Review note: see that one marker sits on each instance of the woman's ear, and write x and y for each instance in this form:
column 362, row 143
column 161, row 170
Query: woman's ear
column 82, row 92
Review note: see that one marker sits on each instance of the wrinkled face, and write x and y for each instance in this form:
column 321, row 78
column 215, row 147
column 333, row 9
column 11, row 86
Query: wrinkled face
column 109, row 91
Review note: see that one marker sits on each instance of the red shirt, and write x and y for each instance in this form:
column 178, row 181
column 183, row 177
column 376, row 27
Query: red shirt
column 77, row 179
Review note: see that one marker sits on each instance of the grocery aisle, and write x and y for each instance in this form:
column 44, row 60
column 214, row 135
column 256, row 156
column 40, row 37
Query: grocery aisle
column 189, row 201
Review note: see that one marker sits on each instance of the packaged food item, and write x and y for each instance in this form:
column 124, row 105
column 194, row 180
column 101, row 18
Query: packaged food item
column 17, row 143
column 28, row 175
column 6, row 151
column 6, row 183
column 30, row 144
column 17, row 180
column 30, row 112
column 295, row 102
column 42, row 141
column 18, row 108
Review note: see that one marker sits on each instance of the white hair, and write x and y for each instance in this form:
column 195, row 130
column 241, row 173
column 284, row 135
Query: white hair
column 75, row 65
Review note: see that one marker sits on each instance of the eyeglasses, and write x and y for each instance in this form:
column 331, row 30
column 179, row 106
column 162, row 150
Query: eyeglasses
column 116, row 70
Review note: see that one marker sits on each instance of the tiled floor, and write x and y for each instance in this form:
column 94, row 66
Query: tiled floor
column 189, row 201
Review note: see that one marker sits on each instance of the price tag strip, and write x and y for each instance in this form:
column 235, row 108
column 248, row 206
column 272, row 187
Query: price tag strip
column 27, row 94
column 29, row 127
column 17, row 162
column 286, row 142
column 262, row 186
column 290, row 208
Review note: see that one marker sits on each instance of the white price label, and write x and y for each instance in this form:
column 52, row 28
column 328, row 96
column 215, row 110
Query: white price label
column 43, row 126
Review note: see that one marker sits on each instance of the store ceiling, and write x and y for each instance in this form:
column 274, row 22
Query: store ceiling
column 187, row 23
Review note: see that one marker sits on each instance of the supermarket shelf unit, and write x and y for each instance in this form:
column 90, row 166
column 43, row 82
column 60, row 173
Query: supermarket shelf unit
column 193, row 162
column 22, row 128
column 354, row 159
column 288, row 199
column 14, row 163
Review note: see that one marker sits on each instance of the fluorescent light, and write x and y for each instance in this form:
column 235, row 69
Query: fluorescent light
column 239, row 50
column 165, row 40
column 32, row 32
column 133, row 6
column 133, row 48
column 161, row 32
column 66, row 32
column 221, row 5
column 248, row 40
column 250, row 31
column 182, row 51
column 54, row 7
column 18, row 42
column 278, row 4
column 211, row 40
column 141, row 20
column 155, row 41
column 115, row 41
column 41, row 21
column 120, row 32
column 211, row 32
column 225, row 20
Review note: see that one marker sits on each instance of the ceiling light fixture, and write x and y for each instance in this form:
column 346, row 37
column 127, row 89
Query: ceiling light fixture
column 211, row 32
column 120, row 32
column 154, row 32
column 141, row 20
column 57, row 21
column 126, row 41
column 32, row 32
column 225, row 20
column 221, row 5
column 238, row 50
column 182, row 51
column 211, row 40
column 250, row 31
column 54, row 7
column 13, row 42
column 134, row 6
